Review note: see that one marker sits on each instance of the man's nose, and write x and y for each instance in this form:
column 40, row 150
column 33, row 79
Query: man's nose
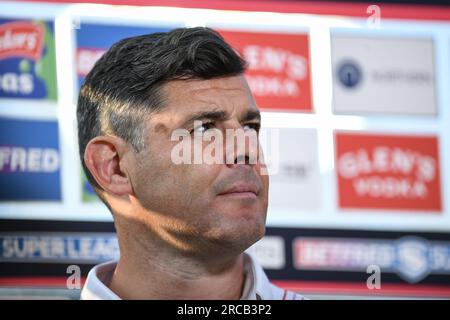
column 241, row 150
column 242, row 159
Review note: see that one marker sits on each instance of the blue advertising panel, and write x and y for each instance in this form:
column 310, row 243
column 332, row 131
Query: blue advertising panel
column 95, row 39
column 30, row 162
column 27, row 60
column 58, row 247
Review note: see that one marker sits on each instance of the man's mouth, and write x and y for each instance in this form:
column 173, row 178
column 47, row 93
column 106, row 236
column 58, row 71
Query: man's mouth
column 242, row 190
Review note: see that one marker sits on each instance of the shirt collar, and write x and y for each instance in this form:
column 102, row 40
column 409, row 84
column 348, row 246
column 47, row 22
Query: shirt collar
column 96, row 285
column 256, row 285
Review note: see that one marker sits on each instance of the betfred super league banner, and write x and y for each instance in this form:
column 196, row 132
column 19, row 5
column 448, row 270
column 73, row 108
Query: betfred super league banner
column 392, row 172
column 93, row 40
column 30, row 161
column 310, row 261
column 27, row 60
column 278, row 68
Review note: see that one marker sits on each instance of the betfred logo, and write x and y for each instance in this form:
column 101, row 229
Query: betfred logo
column 388, row 172
column 278, row 68
column 412, row 258
column 23, row 39
column 19, row 159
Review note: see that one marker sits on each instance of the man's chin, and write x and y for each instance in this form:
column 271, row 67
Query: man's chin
column 237, row 208
column 241, row 233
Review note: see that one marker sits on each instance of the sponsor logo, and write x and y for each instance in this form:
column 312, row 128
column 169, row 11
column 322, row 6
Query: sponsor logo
column 23, row 39
column 13, row 83
column 58, row 247
column 277, row 61
column 391, row 75
column 27, row 60
column 30, row 160
column 389, row 172
column 412, row 258
column 278, row 68
column 18, row 159
column 349, row 74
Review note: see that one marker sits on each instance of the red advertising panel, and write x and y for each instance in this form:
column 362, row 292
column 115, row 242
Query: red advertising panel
column 21, row 38
column 278, row 68
column 393, row 172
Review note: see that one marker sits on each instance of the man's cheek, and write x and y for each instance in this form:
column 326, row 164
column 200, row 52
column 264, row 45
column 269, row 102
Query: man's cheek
column 199, row 178
column 266, row 182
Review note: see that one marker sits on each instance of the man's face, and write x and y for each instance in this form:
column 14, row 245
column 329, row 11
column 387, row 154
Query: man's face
column 201, row 207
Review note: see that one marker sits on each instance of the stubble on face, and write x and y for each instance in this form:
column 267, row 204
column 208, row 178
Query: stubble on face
column 181, row 204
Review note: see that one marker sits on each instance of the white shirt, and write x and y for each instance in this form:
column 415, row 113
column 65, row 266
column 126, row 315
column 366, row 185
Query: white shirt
column 256, row 287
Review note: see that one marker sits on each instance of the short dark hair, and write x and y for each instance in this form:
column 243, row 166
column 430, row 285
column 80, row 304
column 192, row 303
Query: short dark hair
column 124, row 86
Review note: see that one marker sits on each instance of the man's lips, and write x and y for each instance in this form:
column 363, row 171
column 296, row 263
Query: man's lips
column 242, row 189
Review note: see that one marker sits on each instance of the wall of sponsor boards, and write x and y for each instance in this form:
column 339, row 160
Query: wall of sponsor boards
column 361, row 172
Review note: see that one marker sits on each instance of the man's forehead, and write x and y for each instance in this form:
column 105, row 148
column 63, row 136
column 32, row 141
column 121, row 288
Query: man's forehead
column 183, row 98
column 237, row 82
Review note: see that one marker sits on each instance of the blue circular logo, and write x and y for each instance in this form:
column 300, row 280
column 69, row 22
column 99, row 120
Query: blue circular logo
column 349, row 74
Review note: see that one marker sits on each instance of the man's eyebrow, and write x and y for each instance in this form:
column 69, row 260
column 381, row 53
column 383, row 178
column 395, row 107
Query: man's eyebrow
column 206, row 115
column 220, row 116
column 252, row 115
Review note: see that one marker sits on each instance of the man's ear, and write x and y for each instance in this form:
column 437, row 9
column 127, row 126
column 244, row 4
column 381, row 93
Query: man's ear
column 103, row 157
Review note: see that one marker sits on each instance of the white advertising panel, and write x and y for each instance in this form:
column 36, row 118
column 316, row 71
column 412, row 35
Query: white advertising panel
column 383, row 75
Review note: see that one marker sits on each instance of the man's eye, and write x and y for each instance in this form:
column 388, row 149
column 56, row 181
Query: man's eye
column 203, row 127
column 252, row 126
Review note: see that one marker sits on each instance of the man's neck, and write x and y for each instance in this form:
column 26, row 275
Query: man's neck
column 146, row 271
